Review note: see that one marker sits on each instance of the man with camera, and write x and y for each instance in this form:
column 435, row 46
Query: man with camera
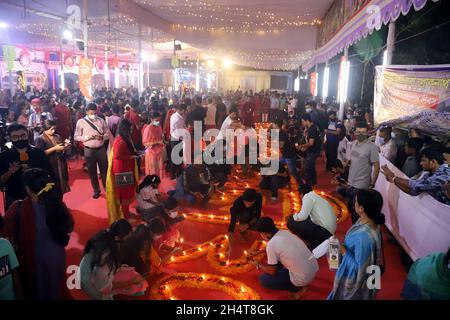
column 17, row 159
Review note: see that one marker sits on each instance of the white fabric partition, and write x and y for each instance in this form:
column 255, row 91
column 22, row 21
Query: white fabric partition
column 420, row 224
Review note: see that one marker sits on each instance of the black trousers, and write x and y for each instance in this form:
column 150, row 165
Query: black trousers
column 351, row 195
column 273, row 183
column 308, row 231
column 331, row 149
column 93, row 158
column 175, row 169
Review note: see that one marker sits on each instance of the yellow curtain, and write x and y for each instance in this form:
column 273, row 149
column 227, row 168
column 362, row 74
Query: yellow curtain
column 112, row 202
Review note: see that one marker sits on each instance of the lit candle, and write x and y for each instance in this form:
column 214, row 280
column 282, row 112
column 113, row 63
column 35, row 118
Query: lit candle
column 242, row 289
column 211, row 244
column 234, row 191
column 200, row 216
column 181, row 240
column 211, row 216
column 172, row 258
column 184, row 253
column 226, row 237
column 203, row 277
column 221, row 255
column 228, row 262
column 245, row 252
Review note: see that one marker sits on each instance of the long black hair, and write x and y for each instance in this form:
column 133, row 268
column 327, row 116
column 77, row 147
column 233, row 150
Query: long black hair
column 124, row 131
column 58, row 217
column 149, row 180
column 372, row 202
column 104, row 245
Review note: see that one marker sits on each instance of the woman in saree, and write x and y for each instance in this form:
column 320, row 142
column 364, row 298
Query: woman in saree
column 122, row 177
column 53, row 146
column 39, row 228
column 155, row 154
column 361, row 249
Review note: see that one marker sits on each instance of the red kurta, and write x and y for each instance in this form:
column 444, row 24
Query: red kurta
column 63, row 122
column 133, row 117
column 123, row 162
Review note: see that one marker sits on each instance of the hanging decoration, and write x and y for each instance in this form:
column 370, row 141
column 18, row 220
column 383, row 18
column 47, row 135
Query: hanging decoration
column 313, row 83
column 9, row 54
column 164, row 287
column 69, row 61
column 24, row 58
column 99, row 65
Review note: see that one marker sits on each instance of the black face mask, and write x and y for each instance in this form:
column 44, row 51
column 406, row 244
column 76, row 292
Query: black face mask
column 20, row 144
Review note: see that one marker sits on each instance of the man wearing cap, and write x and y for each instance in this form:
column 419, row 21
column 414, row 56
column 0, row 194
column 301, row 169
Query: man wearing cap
column 92, row 131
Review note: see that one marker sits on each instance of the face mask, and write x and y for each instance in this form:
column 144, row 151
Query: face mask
column 361, row 137
column 156, row 237
column 381, row 140
column 91, row 117
column 20, row 144
column 308, row 110
column 27, row 111
column 173, row 214
column 156, row 123
column 393, row 135
column 349, row 116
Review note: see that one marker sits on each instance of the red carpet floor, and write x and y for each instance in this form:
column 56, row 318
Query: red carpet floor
column 91, row 216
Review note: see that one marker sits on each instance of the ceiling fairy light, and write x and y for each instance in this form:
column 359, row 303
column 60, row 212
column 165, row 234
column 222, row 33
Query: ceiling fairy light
column 153, row 57
column 227, row 64
column 67, row 35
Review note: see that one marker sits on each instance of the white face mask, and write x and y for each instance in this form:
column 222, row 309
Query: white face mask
column 308, row 110
column 173, row 214
column 393, row 135
column 91, row 117
column 156, row 237
column 156, row 123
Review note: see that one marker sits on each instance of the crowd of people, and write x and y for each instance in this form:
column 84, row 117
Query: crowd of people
column 127, row 140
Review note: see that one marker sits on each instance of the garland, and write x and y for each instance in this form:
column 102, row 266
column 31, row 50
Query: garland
column 164, row 287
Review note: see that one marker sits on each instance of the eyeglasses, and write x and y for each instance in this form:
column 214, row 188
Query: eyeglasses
column 15, row 137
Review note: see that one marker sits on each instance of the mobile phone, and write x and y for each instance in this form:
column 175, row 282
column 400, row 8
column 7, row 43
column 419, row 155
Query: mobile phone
column 341, row 180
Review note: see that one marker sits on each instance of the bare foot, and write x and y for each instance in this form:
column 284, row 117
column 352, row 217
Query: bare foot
column 297, row 295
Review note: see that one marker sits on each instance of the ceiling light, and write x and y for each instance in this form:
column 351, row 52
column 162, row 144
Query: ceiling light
column 67, row 34
column 153, row 57
column 211, row 63
column 144, row 56
column 227, row 64
column 3, row 25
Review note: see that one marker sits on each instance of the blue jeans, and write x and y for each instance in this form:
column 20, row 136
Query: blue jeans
column 279, row 281
column 179, row 193
column 310, row 168
column 292, row 168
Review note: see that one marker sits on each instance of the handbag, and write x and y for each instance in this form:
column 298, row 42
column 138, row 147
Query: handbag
column 124, row 179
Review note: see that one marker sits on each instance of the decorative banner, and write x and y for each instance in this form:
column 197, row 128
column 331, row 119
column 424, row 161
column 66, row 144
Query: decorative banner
column 21, row 80
column 85, row 77
column 414, row 97
column 341, row 78
column 69, row 62
column 175, row 62
column 9, row 54
column 313, row 83
column 24, row 58
column 99, row 65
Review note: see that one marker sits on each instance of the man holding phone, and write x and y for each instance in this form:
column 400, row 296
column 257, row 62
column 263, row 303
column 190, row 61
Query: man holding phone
column 92, row 131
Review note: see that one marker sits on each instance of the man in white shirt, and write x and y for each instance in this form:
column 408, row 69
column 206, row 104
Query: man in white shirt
column 290, row 264
column 177, row 131
column 316, row 222
column 230, row 122
column 388, row 148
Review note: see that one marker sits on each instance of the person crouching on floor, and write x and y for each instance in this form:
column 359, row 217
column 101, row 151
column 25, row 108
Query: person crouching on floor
column 290, row 264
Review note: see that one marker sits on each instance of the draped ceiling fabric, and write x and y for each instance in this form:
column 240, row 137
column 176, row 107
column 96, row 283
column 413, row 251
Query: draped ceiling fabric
column 270, row 35
column 368, row 18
